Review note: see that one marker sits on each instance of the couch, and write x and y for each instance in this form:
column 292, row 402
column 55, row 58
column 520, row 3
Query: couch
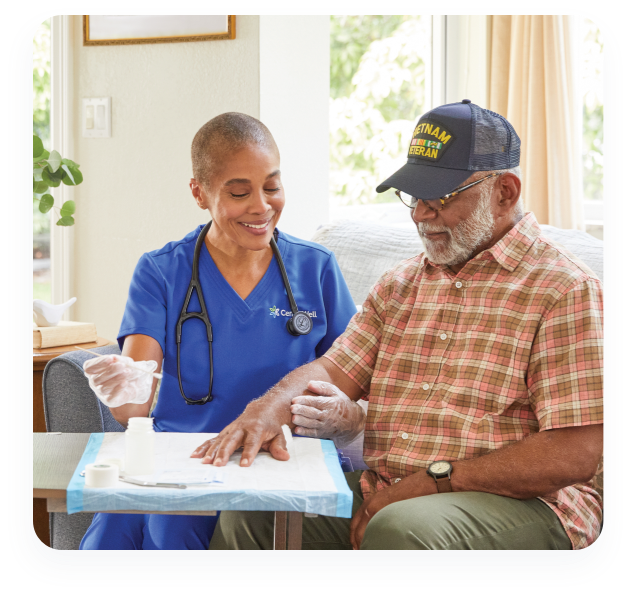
column 363, row 250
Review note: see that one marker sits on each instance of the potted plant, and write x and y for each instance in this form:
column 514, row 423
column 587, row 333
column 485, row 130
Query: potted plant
column 49, row 171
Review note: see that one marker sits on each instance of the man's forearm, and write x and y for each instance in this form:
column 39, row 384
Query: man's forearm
column 538, row 465
column 277, row 400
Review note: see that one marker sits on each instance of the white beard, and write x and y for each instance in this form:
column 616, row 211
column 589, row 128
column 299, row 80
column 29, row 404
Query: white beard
column 463, row 240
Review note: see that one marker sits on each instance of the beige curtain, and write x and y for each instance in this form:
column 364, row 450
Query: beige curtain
column 533, row 83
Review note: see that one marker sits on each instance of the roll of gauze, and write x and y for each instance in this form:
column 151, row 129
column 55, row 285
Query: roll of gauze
column 101, row 475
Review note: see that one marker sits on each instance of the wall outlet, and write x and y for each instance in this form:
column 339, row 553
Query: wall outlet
column 96, row 118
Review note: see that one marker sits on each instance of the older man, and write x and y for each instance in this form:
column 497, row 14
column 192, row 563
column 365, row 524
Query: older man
column 481, row 360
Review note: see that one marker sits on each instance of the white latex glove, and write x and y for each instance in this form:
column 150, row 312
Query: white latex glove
column 331, row 415
column 116, row 384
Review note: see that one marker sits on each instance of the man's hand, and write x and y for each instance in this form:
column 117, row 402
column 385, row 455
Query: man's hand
column 413, row 486
column 329, row 414
column 369, row 508
column 254, row 431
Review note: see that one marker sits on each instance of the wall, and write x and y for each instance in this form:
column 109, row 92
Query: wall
column 135, row 196
column 294, row 54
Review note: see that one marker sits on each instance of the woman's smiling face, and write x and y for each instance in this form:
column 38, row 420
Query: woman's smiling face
column 245, row 197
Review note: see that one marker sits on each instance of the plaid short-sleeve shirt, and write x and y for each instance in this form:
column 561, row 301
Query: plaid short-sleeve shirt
column 456, row 366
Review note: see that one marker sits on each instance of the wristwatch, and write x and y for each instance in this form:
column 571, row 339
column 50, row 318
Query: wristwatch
column 441, row 472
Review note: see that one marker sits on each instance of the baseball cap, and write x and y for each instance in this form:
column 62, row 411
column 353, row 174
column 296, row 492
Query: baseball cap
column 451, row 142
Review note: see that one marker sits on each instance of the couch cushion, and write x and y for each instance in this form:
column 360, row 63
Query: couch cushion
column 585, row 247
column 365, row 251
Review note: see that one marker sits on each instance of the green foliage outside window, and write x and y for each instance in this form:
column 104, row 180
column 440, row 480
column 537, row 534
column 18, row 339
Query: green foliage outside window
column 378, row 70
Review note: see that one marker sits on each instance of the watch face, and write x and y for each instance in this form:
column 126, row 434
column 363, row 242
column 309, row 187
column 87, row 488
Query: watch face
column 440, row 467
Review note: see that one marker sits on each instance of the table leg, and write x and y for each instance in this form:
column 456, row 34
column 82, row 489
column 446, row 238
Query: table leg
column 40, row 520
column 294, row 531
column 287, row 530
column 280, row 530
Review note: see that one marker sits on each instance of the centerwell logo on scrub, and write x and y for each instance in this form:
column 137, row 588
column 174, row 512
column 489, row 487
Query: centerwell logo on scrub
column 274, row 312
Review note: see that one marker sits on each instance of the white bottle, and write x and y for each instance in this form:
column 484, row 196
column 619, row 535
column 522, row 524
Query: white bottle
column 139, row 446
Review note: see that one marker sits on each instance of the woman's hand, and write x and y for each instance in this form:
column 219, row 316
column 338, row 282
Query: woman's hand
column 329, row 414
column 117, row 384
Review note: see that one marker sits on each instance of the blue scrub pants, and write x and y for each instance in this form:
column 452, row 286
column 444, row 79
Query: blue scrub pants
column 148, row 532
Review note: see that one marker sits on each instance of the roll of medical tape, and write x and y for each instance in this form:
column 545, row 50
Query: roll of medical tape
column 101, row 475
column 117, row 462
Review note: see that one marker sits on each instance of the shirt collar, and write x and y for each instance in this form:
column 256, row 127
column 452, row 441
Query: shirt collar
column 510, row 250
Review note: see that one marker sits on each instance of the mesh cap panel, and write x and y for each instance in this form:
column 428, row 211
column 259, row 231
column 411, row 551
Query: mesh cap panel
column 494, row 141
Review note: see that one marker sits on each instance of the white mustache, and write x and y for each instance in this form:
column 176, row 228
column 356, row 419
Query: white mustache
column 426, row 228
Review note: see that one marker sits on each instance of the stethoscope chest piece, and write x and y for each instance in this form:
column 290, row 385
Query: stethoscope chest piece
column 299, row 324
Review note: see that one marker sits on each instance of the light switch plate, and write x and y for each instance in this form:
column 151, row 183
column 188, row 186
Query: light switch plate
column 96, row 117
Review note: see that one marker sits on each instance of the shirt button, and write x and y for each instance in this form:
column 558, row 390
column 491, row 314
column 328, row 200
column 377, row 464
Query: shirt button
column 425, row 386
column 405, row 436
column 443, row 336
column 397, row 480
column 458, row 284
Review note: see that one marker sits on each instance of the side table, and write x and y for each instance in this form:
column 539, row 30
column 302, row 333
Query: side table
column 40, row 358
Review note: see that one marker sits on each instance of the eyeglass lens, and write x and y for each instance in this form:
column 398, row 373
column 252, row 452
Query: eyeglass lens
column 411, row 202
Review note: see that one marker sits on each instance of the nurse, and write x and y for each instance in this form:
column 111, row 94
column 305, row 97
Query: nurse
column 237, row 178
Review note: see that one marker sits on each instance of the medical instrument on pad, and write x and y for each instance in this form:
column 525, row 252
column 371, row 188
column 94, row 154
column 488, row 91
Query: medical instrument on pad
column 156, row 375
column 151, row 484
column 299, row 323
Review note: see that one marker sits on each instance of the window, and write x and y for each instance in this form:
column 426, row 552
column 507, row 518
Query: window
column 592, row 92
column 380, row 86
column 41, row 127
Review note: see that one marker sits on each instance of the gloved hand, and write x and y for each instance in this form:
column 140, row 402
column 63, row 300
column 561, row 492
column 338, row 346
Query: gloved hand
column 116, row 384
column 330, row 415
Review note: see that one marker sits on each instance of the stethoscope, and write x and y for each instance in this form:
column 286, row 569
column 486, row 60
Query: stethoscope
column 299, row 323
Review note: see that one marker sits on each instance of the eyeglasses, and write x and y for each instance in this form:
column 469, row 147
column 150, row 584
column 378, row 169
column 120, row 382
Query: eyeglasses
column 436, row 204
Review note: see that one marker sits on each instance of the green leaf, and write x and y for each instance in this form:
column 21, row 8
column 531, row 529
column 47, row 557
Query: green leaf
column 46, row 203
column 42, row 157
column 38, row 146
column 37, row 174
column 54, row 161
column 67, row 209
column 69, row 162
column 66, row 221
column 74, row 176
column 51, row 179
column 39, row 187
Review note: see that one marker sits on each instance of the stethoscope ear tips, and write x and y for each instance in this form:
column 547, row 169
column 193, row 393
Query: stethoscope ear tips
column 299, row 324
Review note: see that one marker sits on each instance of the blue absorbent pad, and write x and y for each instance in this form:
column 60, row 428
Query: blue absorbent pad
column 311, row 481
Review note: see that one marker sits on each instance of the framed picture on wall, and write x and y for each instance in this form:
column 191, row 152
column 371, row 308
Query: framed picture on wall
column 123, row 29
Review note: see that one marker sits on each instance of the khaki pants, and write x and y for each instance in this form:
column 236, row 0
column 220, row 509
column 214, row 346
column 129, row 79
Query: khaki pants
column 453, row 521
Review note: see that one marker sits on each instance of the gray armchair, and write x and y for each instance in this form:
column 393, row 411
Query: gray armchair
column 70, row 405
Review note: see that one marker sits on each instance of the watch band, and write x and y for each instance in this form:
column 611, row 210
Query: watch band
column 443, row 484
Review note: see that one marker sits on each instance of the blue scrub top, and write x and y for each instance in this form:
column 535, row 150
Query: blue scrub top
column 252, row 348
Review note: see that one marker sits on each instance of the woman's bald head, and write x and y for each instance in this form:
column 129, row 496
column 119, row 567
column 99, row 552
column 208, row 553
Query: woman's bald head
column 222, row 136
